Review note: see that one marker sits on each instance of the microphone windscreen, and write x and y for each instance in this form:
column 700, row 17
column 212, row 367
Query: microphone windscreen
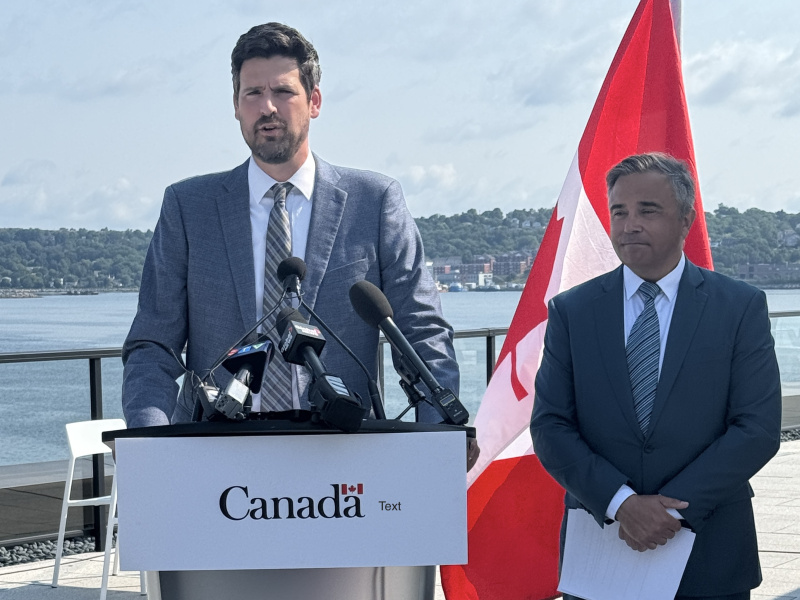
column 286, row 315
column 291, row 266
column 370, row 303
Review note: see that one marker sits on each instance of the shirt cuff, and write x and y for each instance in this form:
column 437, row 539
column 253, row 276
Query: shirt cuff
column 623, row 493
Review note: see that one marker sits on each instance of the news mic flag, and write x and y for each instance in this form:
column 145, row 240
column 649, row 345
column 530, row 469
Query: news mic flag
column 514, row 507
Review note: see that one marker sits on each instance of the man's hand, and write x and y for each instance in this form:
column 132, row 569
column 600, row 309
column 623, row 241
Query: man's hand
column 644, row 522
column 473, row 452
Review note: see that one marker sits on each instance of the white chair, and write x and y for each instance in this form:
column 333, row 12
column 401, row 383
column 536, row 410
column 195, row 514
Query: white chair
column 85, row 439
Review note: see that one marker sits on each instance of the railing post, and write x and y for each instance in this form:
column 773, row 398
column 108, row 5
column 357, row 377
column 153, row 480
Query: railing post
column 98, row 460
column 381, row 378
column 490, row 340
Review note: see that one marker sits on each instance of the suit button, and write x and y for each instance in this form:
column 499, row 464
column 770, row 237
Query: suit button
column 648, row 449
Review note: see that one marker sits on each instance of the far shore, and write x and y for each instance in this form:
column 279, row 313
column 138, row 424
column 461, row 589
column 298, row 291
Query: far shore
column 10, row 293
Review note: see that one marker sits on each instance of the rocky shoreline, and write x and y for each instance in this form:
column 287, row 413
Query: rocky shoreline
column 20, row 293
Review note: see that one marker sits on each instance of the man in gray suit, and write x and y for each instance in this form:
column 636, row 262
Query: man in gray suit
column 659, row 388
column 204, row 282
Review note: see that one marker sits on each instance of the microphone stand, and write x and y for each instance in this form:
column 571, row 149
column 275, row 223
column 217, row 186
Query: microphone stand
column 258, row 324
column 374, row 392
column 198, row 410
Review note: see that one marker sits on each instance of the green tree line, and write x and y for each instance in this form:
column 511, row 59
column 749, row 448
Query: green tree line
column 70, row 258
column 105, row 259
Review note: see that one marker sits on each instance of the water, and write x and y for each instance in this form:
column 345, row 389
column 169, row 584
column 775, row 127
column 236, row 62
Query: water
column 37, row 399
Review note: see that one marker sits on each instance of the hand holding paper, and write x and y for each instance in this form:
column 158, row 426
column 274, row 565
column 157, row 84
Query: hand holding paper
column 645, row 522
column 598, row 566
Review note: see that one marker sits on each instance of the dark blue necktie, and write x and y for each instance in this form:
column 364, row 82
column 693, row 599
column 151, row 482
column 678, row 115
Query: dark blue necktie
column 643, row 350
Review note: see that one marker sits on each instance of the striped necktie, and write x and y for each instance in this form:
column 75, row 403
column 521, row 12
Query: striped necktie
column 643, row 350
column 276, row 391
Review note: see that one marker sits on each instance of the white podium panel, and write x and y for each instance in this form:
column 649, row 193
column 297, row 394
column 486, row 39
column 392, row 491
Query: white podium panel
column 292, row 501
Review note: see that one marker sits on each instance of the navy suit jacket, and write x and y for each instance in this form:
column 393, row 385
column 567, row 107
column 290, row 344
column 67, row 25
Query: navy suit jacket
column 715, row 421
column 198, row 285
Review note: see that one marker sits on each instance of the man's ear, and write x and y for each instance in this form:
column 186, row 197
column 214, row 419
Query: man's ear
column 688, row 220
column 316, row 102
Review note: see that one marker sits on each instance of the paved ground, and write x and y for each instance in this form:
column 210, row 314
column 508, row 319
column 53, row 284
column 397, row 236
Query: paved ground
column 777, row 506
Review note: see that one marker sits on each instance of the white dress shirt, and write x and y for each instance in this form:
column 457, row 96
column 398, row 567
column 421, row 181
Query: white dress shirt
column 298, row 205
column 633, row 306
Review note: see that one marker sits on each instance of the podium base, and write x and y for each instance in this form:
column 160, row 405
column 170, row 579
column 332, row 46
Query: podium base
column 361, row 583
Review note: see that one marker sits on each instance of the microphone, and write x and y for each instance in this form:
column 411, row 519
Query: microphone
column 247, row 364
column 295, row 267
column 373, row 307
column 288, row 269
column 291, row 271
column 301, row 344
column 233, row 400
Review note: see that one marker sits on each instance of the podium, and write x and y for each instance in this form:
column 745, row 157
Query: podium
column 285, row 510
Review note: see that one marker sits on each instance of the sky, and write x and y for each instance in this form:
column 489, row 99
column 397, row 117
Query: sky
column 469, row 104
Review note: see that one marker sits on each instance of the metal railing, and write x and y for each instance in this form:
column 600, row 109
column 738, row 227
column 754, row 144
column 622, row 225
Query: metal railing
column 95, row 355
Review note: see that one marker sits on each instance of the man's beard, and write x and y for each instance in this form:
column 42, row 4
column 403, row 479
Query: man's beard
column 280, row 150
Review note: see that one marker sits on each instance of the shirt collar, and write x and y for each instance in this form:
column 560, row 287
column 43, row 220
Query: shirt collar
column 260, row 183
column 668, row 284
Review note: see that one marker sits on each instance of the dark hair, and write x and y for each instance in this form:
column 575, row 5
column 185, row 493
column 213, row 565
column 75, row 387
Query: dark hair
column 676, row 171
column 277, row 39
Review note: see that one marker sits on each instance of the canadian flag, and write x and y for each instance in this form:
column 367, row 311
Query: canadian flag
column 514, row 507
column 352, row 489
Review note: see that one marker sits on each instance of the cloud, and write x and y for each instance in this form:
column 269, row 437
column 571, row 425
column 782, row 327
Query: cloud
column 748, row 75
column 339, row 93
column 566, row 70
column 117, row 204
column 134, row 80
column 474, row 130
column 420, row 179
column 444, row 190
column 103, row 49
column 120, row 202
column 29, row 172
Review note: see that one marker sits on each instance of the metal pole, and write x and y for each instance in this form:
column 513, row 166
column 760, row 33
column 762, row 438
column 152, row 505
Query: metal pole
column 99, row 518
column 490, row 342
column 381, row 380
column 677, row 18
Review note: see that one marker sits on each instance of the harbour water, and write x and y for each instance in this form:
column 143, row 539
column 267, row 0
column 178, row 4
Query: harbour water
column 37, row 399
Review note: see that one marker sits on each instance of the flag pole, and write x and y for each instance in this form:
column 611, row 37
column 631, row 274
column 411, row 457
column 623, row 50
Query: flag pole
column 677, row 17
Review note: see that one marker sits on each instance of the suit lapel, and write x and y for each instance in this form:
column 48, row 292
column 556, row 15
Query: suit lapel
column 327, row 207
column 689, row 306
column 609, row 317
column 233, row 207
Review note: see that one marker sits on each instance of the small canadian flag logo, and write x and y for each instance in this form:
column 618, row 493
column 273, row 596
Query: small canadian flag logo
column 349, row 489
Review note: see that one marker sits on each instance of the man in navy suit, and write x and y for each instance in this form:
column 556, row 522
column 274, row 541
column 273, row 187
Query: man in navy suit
column 203, row 280
column 711, row 419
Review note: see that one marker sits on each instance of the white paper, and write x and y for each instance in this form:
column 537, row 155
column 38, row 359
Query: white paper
column 598, row 565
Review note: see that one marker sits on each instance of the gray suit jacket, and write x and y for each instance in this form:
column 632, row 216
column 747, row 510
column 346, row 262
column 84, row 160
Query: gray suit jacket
column 198, row 285
column 715, row 421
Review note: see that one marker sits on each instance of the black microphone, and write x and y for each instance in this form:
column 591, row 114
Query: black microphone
column 291, row 271
column 373, row 307
column 247, row 364
column 301, row 344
